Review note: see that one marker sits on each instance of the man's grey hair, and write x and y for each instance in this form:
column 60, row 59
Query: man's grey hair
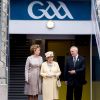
column 74, row 47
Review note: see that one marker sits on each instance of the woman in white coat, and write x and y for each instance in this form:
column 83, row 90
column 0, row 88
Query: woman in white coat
column 50, row 72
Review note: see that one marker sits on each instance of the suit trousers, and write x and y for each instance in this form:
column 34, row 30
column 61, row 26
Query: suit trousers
column 74, row 92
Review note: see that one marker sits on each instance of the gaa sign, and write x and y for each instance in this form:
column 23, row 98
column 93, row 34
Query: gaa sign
column 56, row 11
column 50, row 10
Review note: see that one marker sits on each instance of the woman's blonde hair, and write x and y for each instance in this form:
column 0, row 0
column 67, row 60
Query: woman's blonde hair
column 34, row 47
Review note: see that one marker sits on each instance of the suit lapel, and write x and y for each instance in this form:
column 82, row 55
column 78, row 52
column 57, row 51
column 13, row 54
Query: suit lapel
column 78, row 59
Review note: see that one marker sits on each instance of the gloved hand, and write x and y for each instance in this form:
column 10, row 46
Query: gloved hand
column 50, row 74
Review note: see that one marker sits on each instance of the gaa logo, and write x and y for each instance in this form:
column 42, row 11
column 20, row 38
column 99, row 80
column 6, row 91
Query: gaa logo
column 45, row 12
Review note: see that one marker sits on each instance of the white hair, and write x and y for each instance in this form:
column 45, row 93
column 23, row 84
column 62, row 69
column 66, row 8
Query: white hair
column 74, row 47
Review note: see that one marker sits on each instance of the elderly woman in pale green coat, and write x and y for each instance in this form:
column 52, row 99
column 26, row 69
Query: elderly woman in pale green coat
column 50, row 72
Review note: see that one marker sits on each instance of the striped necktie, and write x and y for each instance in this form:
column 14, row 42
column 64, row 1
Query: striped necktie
column 74, row 60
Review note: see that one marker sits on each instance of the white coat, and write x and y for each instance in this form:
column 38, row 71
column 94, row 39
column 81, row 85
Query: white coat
column 49, row 87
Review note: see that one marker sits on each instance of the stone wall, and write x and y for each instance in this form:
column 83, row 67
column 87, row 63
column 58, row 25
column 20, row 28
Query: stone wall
column 3, row 51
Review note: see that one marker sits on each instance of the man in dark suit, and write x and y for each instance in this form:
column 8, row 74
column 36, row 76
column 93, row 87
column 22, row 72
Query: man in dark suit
column 74, row 74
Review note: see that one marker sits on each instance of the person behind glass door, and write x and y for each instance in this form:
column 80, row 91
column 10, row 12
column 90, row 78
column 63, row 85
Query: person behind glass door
column 32, row 73
column 74, row 74
column 50, row 72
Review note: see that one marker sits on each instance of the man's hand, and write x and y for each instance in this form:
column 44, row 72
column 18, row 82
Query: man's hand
column 72, row 72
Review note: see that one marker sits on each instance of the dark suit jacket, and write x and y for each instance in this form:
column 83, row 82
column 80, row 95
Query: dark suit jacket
column 79, row 77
